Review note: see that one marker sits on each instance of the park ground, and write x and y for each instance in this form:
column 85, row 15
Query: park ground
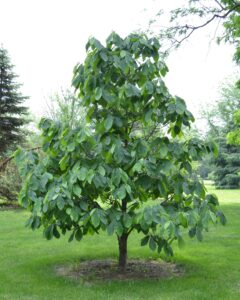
column 28, row 263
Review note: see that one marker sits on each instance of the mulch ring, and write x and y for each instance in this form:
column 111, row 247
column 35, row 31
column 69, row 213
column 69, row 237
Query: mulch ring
column 107, row 270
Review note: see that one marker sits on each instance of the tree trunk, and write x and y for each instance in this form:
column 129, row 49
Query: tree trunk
column 122, row 260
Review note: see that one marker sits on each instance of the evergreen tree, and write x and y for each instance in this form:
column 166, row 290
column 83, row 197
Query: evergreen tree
column 12, row 112
column 220, row 118
column 227, row 166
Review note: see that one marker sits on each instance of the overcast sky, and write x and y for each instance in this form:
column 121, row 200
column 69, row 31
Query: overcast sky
column 46, row 38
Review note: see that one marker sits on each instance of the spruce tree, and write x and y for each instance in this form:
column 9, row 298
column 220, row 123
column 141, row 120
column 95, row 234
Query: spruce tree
column 12, row 111
column 227, row 166
column 220, row 118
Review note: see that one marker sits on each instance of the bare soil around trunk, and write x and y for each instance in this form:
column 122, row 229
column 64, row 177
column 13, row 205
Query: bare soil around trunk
column 107, row 270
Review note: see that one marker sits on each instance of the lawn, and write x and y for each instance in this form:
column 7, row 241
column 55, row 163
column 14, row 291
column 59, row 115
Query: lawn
column 27, row 263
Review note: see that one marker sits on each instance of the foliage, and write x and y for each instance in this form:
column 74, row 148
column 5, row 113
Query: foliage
column 220, row 118
column 10, row 182
column 64, row 107
column 12, row 113
column 227, row 166
column 233, row 137
column 102, row 178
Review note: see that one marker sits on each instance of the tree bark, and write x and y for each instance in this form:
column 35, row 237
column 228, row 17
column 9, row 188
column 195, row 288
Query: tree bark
column 122, row 243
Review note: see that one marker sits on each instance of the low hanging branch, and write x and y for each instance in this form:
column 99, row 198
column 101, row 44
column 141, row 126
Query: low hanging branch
column 4, row 162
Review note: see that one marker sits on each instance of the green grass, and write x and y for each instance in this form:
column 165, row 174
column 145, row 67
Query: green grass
column 225, row 196
column 27, row 263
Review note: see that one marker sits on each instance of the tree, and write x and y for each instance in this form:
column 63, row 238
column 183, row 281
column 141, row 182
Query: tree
column 12, row 113
column 221, row 121
column 131, row 170
column 233, row 137
column 10, row 182
column 64, row 107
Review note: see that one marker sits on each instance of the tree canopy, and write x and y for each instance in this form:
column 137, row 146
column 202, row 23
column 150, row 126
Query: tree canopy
column 233, row 136
column 64, row 107
column 131, row 169
column 220, row 119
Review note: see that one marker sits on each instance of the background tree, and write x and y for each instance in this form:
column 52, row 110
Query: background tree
column 101, row 178
column 220, row 119
column 10, row 182
column 12, row 111
column 233, row 137
column 64, row 107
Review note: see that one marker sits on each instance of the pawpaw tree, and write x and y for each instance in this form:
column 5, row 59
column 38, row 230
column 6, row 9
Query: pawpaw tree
column 130, row 168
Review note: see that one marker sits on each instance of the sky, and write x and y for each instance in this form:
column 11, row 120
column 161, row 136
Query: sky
column 46, row 38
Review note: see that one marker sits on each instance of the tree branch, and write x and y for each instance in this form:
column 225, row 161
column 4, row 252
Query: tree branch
column 5, row 161
column 194, row 28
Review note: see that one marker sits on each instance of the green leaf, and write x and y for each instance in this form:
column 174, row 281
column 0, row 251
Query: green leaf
column 213, row 216
column 103, row 55
column 35, row 223
column 131, row 90
column 119, row 228
column 183, row 219
column 71, row 237
column 148, row 115
column 95, row 218
column 162, row 188
column 163, row 150
column 99, row 181
column 78, row 234
column 77, row 190
column 168, row 250
column 221, row 217
column 152, row 244
column 110, row 228
column 83, row 204
column 142, row 148
column 120, row 193
column 74, row 213
column 101, row 171
column 127, row 220
column 71, row 147
column 98, row 93
column 180, row 106
column 213, row 199
column 90, row 175
column 60, row 203
column 94, row 43
column 144, row 241
column 48, row 232
column 199, row 234
column 116, row 177
column 137, row 167
column 82, row 174
column 108, row 123
column 199, row 190
column 64, row 163
column 56, row 233
column 149, row 87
